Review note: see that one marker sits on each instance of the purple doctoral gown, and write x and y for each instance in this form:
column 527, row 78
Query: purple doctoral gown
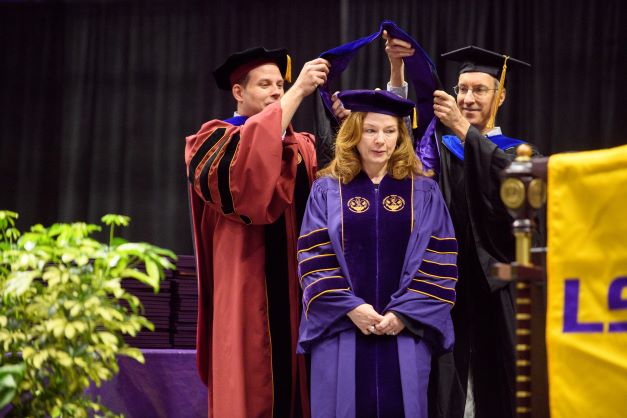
column 399, row 217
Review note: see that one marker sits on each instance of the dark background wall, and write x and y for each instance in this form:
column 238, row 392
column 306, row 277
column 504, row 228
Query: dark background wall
column 96, row 97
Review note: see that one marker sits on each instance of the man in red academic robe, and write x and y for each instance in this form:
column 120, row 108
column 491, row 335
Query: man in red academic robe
column 249, row 179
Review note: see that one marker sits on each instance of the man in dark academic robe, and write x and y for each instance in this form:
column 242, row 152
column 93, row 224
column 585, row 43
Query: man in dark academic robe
column 471, row 161
column 249, row 180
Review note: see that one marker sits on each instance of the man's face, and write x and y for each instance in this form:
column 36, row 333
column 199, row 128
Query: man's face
column 476, row 109
column 264, row 87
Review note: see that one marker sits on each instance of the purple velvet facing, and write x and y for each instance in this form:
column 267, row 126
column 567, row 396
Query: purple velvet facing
column 311, row 238
column 321, row 286
column 431, row 268
column 326, row 263
column 375, row 243
column 433, row 290
column 442, row 245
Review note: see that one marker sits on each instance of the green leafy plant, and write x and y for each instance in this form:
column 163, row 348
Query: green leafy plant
column 63, row 312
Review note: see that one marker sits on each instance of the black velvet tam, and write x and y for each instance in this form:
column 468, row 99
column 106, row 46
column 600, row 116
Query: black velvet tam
column 243, row 61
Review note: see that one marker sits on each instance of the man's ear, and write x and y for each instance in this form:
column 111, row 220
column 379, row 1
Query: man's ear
column 237, row 91
column 502, row 98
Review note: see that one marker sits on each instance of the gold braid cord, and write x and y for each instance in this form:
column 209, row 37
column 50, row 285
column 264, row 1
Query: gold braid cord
column 495, row 104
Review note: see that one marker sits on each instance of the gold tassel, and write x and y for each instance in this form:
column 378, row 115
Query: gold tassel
column 495, row 105
column 414, row 124
column 288, row 69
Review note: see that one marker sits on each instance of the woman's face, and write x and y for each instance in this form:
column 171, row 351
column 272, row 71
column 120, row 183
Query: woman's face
column 378, row 140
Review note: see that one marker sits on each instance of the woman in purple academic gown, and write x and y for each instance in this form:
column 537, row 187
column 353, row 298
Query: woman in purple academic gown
column 377, row 265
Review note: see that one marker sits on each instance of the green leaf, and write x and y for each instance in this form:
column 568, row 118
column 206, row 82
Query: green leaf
column 68, row 256
column 114, row 260
column 116, row 220
column 59, row 328
column 133, row 248
column 39, row 358
column 103, row 373
column 81, row 363
column 164, row 252
column 82, row 260
column 108, row 338
column 166, row 263
column 145, row 323
column 29, row 240
column 38, row 228
column 134, row 353
column 27, row 352
column 70, row 331
column 142, row 277
column 117, row 241
column 76, row 309
column 64, row 359
column 19, row 282
column 105, row 314
column 12, row 234
column 7, row 218
column 8, row 389
column 153, row 270
column 10, row 377
column 79, row 326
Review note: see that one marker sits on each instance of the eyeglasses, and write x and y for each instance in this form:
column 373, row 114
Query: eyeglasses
column 480, row 91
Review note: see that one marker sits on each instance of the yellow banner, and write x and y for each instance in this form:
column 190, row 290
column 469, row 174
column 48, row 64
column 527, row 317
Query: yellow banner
column 587, row 284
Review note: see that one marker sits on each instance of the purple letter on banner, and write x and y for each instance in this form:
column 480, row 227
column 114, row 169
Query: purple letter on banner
column 615, row 302
column 571, row 310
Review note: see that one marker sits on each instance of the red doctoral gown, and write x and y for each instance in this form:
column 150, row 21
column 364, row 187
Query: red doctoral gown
column 241, row 179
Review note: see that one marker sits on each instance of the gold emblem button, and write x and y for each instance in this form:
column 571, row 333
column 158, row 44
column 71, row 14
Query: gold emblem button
column 358, row 204
column 393, row 203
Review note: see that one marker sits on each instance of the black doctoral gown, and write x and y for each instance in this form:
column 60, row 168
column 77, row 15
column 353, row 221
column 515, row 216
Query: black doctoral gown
column 484, row 314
